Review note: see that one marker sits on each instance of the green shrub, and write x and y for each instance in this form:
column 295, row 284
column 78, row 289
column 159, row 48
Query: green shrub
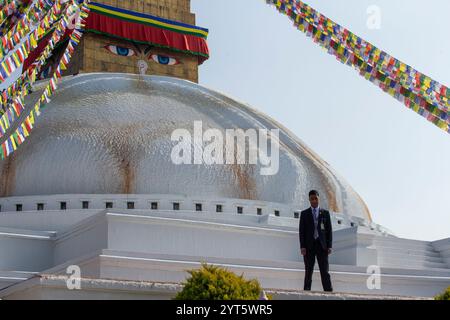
column 444, row 296
column 216, row 283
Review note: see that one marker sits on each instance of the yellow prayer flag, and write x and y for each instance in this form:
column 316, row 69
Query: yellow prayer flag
column 31, row 117
column 16, row 59
column 33, row 41
column 13, row 142
column 24, row 129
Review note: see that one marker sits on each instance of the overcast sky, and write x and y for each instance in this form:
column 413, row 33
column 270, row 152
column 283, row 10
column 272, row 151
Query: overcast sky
column 397, row 161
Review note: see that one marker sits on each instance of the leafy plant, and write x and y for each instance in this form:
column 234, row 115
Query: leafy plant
column 444, row 296
column 216, row 283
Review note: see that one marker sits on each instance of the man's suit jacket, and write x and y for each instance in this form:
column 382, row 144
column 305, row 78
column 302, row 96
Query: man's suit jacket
column 306, row 229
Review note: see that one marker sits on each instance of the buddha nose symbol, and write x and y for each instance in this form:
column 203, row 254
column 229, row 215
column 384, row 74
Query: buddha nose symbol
column 142, row 66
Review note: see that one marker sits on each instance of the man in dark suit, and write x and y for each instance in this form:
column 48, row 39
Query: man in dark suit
column 316, row 240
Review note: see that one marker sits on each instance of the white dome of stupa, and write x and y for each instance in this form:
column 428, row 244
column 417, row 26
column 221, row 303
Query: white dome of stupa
column 107, row 133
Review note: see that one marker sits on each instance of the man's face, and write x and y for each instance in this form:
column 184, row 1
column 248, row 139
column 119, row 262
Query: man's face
column 314, row 201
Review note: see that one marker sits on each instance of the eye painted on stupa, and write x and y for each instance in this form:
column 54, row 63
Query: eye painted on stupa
column 162, row 59
column 120, row 51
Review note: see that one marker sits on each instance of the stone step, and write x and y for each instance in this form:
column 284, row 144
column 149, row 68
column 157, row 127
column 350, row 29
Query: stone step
column 403, row 240
column 415, row 252
column 403, row 243
column 408, row 256
column 394, row 266
column 410, row 264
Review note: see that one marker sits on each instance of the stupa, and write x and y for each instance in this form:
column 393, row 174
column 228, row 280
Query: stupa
column 95, row 189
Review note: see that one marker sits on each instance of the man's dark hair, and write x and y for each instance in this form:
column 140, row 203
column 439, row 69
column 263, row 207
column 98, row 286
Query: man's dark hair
column 314, row 193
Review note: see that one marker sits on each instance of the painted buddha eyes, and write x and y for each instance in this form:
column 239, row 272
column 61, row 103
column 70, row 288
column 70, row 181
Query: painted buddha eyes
column 128, row 52
column 120, row 51
column 166, row 60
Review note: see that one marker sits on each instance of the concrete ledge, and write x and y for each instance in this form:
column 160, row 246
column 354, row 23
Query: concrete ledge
column 55, row 287
column 302, row 295
column 8, row 278
column 282, row 275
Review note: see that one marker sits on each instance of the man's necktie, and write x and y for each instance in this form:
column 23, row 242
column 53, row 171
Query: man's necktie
column 316, row 220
